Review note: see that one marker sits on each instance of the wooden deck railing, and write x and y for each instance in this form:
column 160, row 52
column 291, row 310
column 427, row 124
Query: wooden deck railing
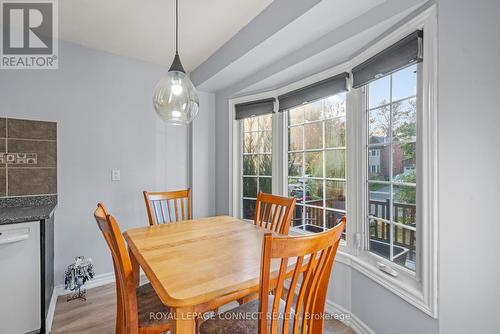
column 404, row 214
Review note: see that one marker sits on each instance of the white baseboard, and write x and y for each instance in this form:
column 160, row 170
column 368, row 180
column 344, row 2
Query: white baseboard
column 348, row 318
column 51, row 311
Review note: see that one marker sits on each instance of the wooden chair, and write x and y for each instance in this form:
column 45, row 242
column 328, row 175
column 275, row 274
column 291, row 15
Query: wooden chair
column 134, row 304
column 310, row 260
column 274, row 212
column 163, row 206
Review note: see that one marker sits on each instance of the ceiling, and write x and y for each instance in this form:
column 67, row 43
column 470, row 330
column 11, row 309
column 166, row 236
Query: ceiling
column 145, row 29
column 310, row 26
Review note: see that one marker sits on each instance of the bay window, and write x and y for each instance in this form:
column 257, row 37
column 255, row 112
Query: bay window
column 361, row 145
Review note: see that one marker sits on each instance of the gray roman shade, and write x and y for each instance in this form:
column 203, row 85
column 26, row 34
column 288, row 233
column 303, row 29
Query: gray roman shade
column 406, row 52
column 316, row 91
column 254, row 108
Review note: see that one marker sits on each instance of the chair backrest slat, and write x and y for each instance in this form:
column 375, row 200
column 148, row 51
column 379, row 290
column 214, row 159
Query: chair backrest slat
column 306, row 263
column 161, row 210
column 274, row 212
column 125, row 283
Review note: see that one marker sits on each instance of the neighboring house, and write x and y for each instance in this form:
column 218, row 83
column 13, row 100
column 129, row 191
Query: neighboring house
column 379, row 159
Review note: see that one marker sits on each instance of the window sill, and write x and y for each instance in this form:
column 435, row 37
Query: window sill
column 403, row 286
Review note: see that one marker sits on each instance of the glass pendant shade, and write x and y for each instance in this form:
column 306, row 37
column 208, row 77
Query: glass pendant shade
column 175, row 98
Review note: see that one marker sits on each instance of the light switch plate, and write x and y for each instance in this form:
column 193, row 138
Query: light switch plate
column 115, row 175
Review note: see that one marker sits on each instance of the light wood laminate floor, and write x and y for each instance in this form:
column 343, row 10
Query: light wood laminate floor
column 97, row 315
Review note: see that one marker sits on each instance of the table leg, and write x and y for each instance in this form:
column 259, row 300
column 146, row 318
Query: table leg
column 135, row 267
column 184, row 320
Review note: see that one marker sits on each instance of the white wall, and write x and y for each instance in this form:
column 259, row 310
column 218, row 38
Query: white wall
column 203, row 157
column 103, row 106
column 469, row 159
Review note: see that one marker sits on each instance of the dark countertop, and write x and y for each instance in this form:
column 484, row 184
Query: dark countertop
column 26, row 209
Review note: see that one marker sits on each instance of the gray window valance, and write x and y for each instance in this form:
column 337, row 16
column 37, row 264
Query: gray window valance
column 406, row 52
column 254, row 108
column 316, row 91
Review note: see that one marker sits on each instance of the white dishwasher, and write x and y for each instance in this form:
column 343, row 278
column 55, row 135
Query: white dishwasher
column 20, row 278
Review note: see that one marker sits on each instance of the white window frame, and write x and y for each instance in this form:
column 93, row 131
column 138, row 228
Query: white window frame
column 418, row 289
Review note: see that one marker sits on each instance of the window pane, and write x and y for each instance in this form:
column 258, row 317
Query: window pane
column 295, row 138
column 250, row 142
column 379, row 163
column 405, row 241
column 335, row 194
column 322, row 136
column 314, row 164
column 380, row 238
column 313, row 134
column 250, row 124
column 404, row 120
column 314, row 218
column 265, row 164
column 296, row 189
column 405, row 213
column 249, row 164
column 296, row 116
column 313, row 111
column 335, row 164
column 335, row 133
column 333, row 219
column 335, row 105
column 393, row 162
column 314, row 192
column 250, row 187
column 379, row 196
column 265, row 185
column 265, row 122
column 298, row 219
column 256, row 161
column 405, row 205
column 379, row 125
column 380, row 92
column 295, row 167
column 404, row 162
column 266, row 142
column 248, row 208
column 404, row 83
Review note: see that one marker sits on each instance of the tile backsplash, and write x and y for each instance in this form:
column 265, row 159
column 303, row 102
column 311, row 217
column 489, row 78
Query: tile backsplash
column 28, row 157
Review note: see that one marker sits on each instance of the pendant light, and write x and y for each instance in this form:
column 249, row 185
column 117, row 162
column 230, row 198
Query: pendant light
column 175, row 98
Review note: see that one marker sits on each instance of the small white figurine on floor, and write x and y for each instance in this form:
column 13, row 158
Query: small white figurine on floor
column 77, row 275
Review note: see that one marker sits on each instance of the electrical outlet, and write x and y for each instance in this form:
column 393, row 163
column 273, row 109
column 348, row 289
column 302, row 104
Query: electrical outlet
column 115, row 175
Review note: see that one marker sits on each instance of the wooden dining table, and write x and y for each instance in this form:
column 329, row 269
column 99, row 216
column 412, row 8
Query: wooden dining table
column 196, row 264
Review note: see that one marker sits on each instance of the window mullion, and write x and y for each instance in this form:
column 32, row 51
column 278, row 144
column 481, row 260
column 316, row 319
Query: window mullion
column 323, row 155
column 391, row 198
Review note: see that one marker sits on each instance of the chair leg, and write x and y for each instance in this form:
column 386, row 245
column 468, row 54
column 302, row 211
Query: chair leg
column 199, row 321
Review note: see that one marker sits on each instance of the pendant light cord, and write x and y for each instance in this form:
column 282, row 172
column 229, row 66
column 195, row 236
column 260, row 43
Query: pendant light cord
column 176, row 26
